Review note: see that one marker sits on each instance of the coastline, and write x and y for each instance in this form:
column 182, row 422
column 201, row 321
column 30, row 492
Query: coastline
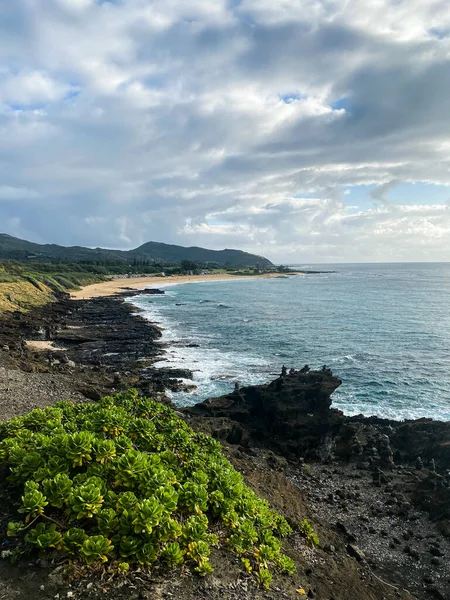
column 123, row 284
column 108, row 348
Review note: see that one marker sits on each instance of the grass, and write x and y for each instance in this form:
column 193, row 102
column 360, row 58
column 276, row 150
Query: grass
column 23, row 286
column 23, row 295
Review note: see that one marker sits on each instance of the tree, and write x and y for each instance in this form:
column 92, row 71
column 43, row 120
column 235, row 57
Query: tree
column 188, row 265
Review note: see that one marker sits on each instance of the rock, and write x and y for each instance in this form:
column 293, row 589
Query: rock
column 435, row 551
column 56, row 577
column 235, row 435
column 278, row 463
column 91, row 393
column 355, row 552
column 411, row 552
column 291, row 415
column 436, row 593
column 5, row 348
column 43, row 563
column 349, row 534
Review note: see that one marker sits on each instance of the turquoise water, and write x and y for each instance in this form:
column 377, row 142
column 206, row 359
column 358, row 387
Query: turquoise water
column 384, row 329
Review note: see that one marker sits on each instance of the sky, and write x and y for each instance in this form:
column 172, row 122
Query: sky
column 302, row 130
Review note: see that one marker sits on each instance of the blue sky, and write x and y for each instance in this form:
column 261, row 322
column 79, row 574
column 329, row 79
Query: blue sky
column 304, row 130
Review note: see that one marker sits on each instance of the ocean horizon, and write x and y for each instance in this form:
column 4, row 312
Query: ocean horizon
column 383, row 328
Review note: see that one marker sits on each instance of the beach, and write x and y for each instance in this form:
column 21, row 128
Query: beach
column 121, row 284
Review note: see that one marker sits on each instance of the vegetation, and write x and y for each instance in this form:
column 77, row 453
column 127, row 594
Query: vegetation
column 55, row 276
column 23, row 286
column 307, row 531
column 126, row 482
column 22, row 294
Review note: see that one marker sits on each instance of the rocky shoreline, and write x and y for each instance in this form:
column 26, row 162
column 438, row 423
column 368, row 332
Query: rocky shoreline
column 383, row 486
column 377, row 491
column 85, row 348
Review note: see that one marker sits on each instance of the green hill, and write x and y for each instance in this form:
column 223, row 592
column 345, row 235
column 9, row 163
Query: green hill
column 16, row 249
column 174, row 254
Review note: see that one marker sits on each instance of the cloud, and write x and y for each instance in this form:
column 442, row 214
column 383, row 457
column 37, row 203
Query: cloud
column 380, row 192
column 33, row 87
column 223, row 123
column 16, row 193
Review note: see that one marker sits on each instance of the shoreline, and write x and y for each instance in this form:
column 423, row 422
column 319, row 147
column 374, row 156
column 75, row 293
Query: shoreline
column 105, row 342
column 123, row 284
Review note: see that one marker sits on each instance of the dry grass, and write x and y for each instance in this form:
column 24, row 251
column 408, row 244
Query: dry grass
column 22, row 295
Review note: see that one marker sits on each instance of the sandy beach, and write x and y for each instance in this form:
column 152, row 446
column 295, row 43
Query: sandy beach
column 119, row 285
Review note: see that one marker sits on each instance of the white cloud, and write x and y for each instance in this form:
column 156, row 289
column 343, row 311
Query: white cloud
column 227, row 123
column 32, row 87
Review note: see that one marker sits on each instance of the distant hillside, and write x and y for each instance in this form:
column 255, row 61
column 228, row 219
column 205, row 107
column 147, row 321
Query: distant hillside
column 17, row 249
column 175, row 254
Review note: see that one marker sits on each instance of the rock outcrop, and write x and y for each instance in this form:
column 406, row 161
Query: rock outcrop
column 291, row 414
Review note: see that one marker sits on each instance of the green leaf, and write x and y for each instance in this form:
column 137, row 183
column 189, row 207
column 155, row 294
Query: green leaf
column 96, row 548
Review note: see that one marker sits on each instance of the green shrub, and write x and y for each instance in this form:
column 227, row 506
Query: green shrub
column 125, row 478
column 308, row 532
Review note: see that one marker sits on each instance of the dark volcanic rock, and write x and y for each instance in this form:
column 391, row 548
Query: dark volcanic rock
column 292, row 414
column 159, row 380
column 103, row 342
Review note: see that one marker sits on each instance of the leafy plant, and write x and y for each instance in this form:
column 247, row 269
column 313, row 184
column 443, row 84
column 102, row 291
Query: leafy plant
column 107, row 521
column 96, row 548
column 123, row 568
column 85, row 500
column 73, row 540
column 79, row 447
column 172, row 554
column 125, row 478
column 45, row 537
column 58, row 489
column 308, row 532
column 264, row 578
column 33, row 502
column 286, row 564
column 105, row 450
column 149, row 514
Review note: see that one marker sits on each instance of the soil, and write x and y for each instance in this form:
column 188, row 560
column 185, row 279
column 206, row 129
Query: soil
column 376, row 538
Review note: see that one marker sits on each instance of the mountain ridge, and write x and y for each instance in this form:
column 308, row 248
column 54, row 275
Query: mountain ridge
column 13, row 248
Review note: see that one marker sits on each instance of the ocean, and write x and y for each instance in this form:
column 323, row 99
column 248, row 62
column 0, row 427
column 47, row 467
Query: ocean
column 384, row 329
